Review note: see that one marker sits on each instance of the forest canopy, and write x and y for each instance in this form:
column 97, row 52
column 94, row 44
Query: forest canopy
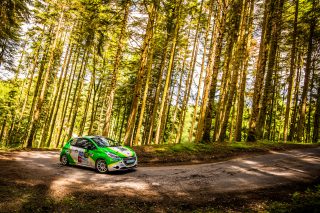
column 159, row 71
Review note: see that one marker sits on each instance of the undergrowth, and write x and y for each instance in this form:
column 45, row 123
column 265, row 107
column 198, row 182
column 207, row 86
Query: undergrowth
column 307, row 201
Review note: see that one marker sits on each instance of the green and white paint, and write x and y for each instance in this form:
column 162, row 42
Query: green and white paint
column 99, row 153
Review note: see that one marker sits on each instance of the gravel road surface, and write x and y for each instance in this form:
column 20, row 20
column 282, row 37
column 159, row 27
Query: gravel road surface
column 198, row 181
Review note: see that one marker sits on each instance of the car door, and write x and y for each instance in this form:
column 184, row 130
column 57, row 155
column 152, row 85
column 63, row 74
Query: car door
column 73, row 151
column 89, row 152
column 77, row 150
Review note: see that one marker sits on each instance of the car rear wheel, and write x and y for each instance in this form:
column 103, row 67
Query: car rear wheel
column 64, row 160
column 101, row 166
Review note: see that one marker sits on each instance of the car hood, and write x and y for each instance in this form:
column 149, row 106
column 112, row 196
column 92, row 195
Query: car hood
column 120, row 151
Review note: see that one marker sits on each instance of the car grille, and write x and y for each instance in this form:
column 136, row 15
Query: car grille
column 129, row 161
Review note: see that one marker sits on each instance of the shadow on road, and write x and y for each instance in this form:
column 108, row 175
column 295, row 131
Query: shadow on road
column 35, row 181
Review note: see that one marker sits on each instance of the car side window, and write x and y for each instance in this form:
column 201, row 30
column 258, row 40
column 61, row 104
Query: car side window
column 73, row 142
column 85, row 144
column 81, row 143
column 90, row 145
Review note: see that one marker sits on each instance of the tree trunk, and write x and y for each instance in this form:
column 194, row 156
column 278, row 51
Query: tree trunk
column 292, row 72
column 137, row 89
column 55, row 106
column 207, row 83
column 86, row 108
column 94, row 108
column 316, row 120
column 308, row 132
column 176, row 109
column 3, row 127
column 194, row 116
column 115, row 72
column 303, row 103
column 186, row 96
column 145, row 93
column 124, row 116
column 295, row 107
column 67, row 95
column 78, row 90
column 261, row 67
column 166, row 90
column 36, row 115
column 239, row 25
column 36, row 94
column 276, row 19
column 65, row 67
column 217, row 59
column 244, row 68
column 158, row 90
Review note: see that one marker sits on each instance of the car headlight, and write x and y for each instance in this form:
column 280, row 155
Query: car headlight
column 113, row 156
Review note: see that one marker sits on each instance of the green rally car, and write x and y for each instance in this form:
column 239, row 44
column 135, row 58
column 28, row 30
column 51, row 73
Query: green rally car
column 97, row 152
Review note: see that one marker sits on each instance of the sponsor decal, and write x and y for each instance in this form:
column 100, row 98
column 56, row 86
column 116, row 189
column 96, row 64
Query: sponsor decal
column 122, row 151
column 86, row 154
column 82, row 157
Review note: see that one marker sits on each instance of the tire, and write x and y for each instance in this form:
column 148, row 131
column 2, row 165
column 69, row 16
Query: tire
column 101, row 166
column 64, row 160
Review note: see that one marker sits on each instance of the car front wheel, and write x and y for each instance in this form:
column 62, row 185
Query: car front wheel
column 101, row 166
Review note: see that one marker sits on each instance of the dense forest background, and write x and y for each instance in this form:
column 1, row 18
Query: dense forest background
column 159, row 71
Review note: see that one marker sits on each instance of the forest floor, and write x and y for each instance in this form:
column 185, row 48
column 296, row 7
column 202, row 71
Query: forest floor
column 34, row 181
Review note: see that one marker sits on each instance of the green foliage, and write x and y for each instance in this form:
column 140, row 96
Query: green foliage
column 12, row 15
column 278, row 207
column 8, row 96
column 241, row 145
column 92, row 28
column 307, row 201
column 185, row 133
column 186, row 147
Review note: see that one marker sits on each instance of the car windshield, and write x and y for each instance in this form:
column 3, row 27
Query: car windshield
column 105, row 142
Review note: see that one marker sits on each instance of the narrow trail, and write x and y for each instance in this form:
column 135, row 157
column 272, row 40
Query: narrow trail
column 184, row 182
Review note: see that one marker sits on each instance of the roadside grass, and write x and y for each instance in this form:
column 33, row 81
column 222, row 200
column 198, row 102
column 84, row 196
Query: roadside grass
column 305, row 201
column 13, row 149
column 200, row 152
column 222, row 147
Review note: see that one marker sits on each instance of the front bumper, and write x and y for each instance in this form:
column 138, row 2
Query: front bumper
column 124, row 164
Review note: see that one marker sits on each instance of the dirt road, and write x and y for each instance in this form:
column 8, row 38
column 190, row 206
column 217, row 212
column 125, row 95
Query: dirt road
column 186, row 182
